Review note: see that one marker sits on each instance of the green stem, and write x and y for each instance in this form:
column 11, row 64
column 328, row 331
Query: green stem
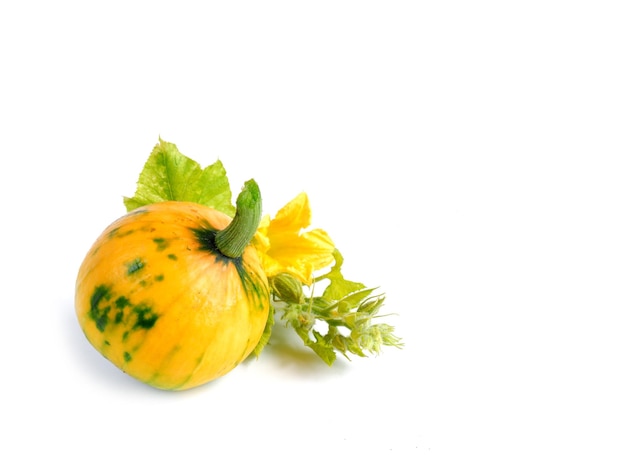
column 233, row 239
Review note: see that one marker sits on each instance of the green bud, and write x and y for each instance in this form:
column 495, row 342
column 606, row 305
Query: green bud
column 388, row 336
column 306, row 320
column 371, row 305
column 287, row 288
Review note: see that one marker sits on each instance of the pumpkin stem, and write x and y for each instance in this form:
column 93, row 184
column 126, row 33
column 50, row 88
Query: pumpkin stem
column 233, row 239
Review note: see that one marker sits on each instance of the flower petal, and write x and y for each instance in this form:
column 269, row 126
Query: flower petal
column 295, row 215
column 286, row 248
column 302, row 254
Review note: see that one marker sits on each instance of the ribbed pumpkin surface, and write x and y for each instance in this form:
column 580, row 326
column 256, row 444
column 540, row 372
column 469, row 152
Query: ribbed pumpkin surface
column 157, row 299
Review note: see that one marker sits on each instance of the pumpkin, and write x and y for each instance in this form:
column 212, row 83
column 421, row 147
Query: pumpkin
column 173, row 293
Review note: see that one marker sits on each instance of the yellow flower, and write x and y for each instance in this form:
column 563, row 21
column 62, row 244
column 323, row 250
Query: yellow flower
column 287, row 247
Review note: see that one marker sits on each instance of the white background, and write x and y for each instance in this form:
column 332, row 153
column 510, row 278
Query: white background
column 465, row 156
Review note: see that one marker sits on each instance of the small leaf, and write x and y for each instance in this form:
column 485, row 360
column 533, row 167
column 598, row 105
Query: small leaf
column 168, row 175
column 320, row 346
column 353, row 300
column 339, row 287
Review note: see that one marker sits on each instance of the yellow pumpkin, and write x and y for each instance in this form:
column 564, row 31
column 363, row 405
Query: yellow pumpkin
column 157, row 296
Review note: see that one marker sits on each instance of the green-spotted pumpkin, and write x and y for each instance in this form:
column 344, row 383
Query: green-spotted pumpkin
column 173, row 293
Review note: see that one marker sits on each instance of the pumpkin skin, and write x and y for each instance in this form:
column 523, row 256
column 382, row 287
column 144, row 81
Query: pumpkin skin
column 156, row 298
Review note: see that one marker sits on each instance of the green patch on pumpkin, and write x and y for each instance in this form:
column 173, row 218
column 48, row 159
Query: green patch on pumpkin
column 99, row 312
column 146, row 317
column 161, row 243
column 134, row 266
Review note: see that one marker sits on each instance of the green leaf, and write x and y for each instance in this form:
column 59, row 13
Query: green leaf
column 353, row 300
column 339, row 287
column 168, row 175
column 320, row 345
